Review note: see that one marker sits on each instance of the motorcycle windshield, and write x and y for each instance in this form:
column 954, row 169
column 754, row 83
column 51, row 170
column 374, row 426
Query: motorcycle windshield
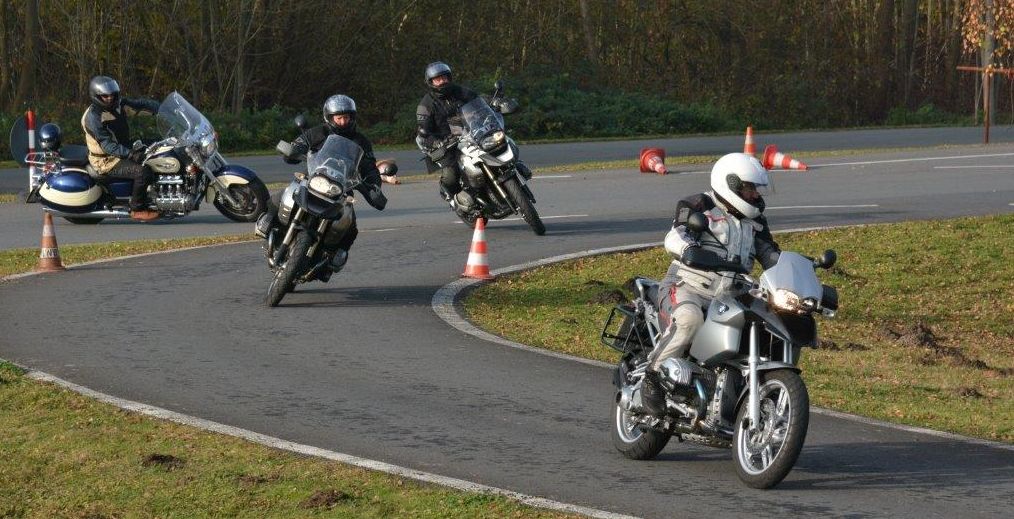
column 479, row 119
column 793, row 272
column 338, row 159
column 178, row 118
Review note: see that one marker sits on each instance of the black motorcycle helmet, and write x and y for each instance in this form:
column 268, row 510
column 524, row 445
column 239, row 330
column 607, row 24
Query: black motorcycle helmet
column 336, row 105
column 437, row 69
column 102, row 86
column 50, row 137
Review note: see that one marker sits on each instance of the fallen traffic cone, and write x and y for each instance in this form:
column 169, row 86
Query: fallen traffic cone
column 748, row 146
column 773, row 158
column 388, row 171
column 653, row 161
column 477, row 265
column 49, row 253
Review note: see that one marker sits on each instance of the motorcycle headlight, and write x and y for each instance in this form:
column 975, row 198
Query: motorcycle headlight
column 787, row 300
column 324, row 186
column 209, row 145
column 493, row 140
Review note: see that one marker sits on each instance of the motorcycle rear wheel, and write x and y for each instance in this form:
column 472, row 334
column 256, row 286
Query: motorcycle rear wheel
column 517, row 193
column 632, row 441
column 285, row 276
column 764, row 457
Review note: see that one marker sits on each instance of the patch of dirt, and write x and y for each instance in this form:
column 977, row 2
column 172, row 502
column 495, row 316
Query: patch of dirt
column 609, row 296
column 829, row 345
column 921, row 336
column 166, row 461
column 326, row 499
column 968, row 392
column 253, row 479
column 594, row 283
column 843, row 273
column 568, row 320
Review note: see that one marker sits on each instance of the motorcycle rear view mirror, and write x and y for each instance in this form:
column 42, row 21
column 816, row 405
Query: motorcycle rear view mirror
column 300, row 122
column 826, row 260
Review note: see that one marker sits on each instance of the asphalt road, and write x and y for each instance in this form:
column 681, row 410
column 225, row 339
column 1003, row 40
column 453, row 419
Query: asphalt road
column 271, row 168
column 363, row 366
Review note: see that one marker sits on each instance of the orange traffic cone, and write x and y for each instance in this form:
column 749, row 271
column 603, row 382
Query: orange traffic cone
column 773, row 158
column 748, row 146
column 49, row 253
column 477, row 265
column 653, row 161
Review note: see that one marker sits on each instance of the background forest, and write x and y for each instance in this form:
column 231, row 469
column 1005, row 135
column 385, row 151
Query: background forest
column 581, row 68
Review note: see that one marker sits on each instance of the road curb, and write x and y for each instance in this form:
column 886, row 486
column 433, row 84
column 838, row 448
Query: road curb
column 446, row 304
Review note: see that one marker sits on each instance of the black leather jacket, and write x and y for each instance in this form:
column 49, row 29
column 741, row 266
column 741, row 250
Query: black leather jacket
column 433, row 113
column 311, row 140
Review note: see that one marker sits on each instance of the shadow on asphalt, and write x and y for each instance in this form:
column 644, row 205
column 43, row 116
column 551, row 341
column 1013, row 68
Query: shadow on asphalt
column 362, row 297
column 900, row 465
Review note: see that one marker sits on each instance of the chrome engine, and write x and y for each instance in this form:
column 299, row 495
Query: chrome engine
column 174, row 193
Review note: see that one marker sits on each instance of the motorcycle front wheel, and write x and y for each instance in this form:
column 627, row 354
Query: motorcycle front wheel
column 252, row 199
column 517, row 193
column 285, row 275
column 766, row 455
column 633, row 441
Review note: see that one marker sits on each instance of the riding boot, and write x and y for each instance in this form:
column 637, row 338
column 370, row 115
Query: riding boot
column 653, row 394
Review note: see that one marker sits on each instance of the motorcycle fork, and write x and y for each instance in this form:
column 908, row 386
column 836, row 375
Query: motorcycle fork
column 290, row 233
column 499, row 188
column 321, row 230
column 753, row 402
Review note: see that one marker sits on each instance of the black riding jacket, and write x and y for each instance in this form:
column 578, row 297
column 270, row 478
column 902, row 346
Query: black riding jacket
column 434, row 111
column 311, row 140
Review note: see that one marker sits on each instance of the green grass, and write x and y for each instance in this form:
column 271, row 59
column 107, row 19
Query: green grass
column 923, row 337
column 65, row 455
column 14, row 261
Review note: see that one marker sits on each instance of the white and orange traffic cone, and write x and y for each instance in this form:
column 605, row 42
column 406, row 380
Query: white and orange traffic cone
column 49, row 252
column 748, row 146
column 775, row 159
column 653, row 161
column 477, row 265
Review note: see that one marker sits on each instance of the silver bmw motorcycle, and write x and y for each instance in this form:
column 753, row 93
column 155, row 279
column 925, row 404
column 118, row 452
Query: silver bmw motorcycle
column 740, row 386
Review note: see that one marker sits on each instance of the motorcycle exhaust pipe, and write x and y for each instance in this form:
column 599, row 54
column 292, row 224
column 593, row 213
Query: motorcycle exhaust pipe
column 112, row 213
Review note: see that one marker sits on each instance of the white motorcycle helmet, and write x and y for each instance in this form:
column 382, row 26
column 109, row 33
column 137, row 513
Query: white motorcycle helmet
column 728, row 176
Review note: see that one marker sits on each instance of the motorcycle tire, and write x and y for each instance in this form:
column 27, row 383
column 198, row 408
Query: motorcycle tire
column 632, row 441
column 76, row 220
column 517, row 193
column 765, row 457
column 285, row 277
column 253, row 197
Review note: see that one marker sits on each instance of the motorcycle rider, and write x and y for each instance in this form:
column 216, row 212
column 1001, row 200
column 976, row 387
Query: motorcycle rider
column 107, row 135
column 739, row 232
column 339, row 119
column 440, row 107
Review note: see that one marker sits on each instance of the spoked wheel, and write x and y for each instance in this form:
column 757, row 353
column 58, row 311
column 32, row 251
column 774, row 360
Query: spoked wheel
column 285, row 275
column 517, row 193
column 251, row 198
column 633, row 441
column 765, row 456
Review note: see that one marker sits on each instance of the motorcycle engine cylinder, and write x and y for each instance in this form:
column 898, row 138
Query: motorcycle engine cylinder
column 476, row 179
